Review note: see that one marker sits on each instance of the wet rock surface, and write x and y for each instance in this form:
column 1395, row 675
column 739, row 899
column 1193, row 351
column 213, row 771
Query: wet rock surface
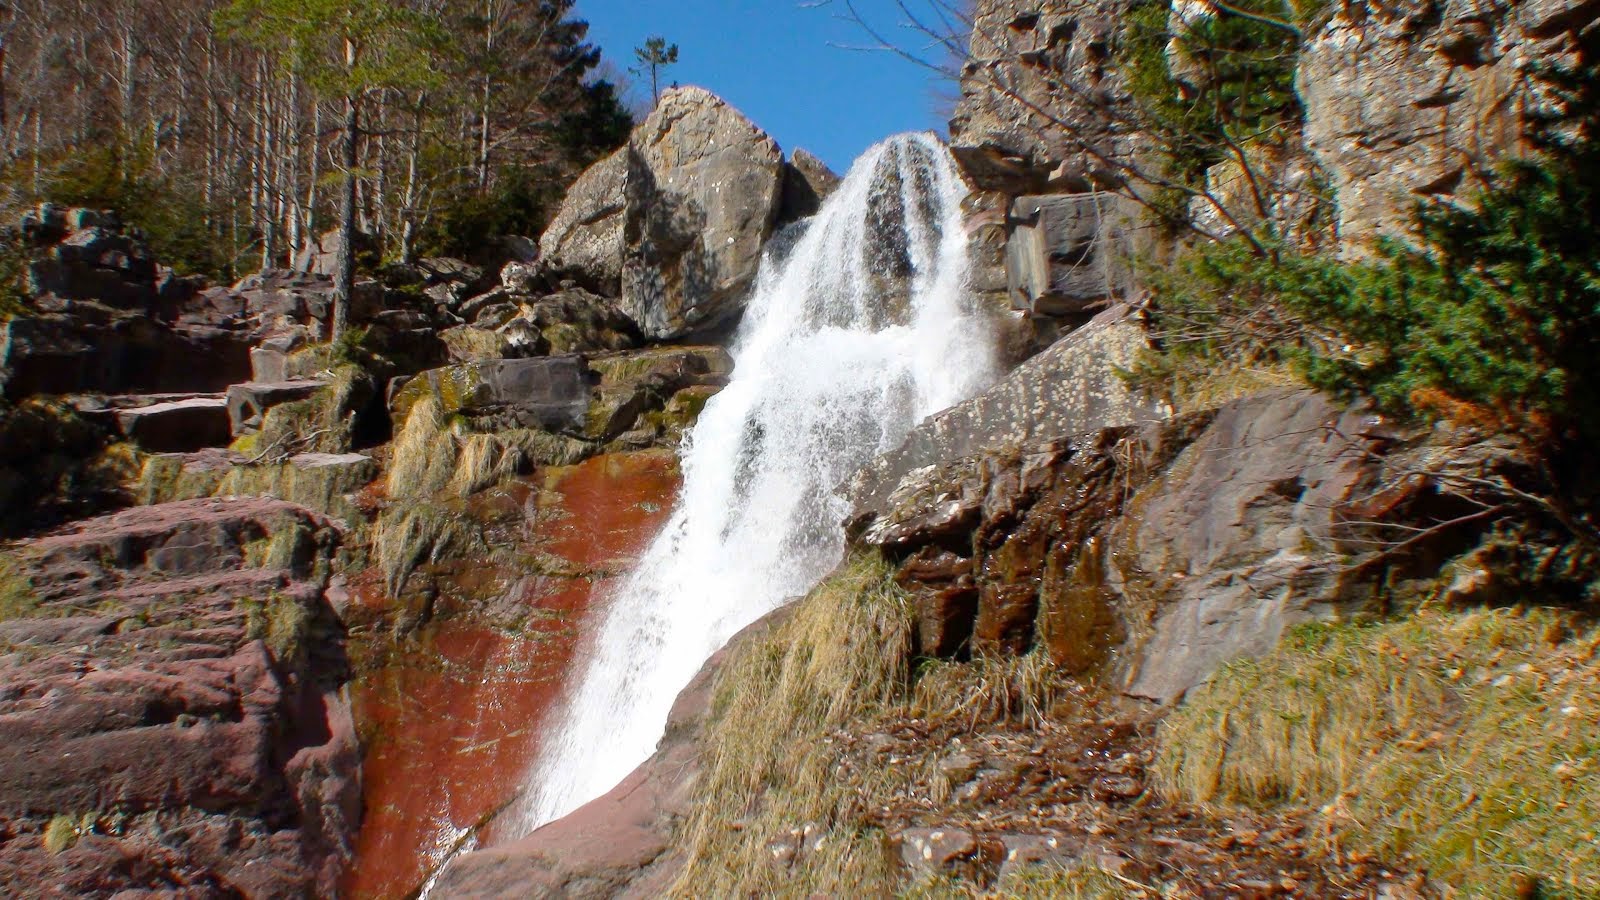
column 620, row 845
column 172, row 716
column 452, row 712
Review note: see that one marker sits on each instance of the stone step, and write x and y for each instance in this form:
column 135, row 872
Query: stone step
column 248, row 403
column 176, row 425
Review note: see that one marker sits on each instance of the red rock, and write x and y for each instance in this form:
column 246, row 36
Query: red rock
column 195, row 750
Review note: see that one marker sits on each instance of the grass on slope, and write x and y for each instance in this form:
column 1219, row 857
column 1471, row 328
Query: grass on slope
column 17, row 600
column 775, row 763
column 841, row 654
column 1468, row 743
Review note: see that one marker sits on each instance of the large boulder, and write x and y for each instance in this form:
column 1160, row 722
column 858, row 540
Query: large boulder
column 1416, row 100
column 277, row 299
column 321, row 256
column 673, row 223
column 172, row 717
column 584, row 240
column 703, row 190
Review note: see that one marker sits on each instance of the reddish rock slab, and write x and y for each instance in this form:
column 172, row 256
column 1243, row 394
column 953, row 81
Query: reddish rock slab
column 619, row 845
column 172, row 715
column 453, row 720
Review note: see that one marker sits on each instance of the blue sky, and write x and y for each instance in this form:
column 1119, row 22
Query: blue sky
column 779, row 62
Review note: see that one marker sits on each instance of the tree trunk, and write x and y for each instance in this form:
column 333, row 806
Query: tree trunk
column 344, row 273
column 408, row 227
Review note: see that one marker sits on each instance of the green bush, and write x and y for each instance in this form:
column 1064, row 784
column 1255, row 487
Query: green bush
column 1237, row 89
column 1493, row 314
column 120, row 174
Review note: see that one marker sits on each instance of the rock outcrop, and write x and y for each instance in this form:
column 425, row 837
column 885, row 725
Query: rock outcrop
column 1041, row 103
column 1422, row 99
column 703, row 190
column 545, row 393
column 807, row 181
column 1154, row 553
column 1072, row 388
column 673, row 224
column 171, row 715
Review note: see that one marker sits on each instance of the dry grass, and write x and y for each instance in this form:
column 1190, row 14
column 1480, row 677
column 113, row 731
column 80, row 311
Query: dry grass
column 841, row 655
column 405, row 538
column 164, row 479
column 423, row 457
column 775, row 768
column 1467, row 743
column 17, row 599
column 1193, row 384
column 322, row 423
column 432, row 454
column 61, row 834
column 1035, row 883
column 1017, row 689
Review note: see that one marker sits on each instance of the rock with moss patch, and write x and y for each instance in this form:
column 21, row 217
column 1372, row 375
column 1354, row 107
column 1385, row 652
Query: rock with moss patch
column 173, row 709
column 547, row 392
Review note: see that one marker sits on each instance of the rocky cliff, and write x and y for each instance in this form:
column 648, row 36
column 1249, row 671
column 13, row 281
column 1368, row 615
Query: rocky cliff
column 279, row 611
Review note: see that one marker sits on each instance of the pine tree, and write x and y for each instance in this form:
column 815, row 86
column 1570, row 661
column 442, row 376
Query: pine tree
column 655, row 55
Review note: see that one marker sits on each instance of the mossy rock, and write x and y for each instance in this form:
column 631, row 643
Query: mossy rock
column 467, row 344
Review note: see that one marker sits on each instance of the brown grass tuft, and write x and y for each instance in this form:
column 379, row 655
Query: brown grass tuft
column 1470, row 743
column 775, row 765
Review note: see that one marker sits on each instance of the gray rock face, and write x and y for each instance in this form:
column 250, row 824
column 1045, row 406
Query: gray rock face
column 1071, row 388
column 176, row 426
column 1038, row 96
column 1422, row 98
column 584, row 240
column 1153, row 552
column 674, row 223
column 1240, row 538
column 807, row 181
column 1063, row 254
column 248, row 403
column 548, row 392
column 93, row 348
column 703, row 191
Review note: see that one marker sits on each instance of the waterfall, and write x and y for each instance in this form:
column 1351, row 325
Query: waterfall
column 858, row 328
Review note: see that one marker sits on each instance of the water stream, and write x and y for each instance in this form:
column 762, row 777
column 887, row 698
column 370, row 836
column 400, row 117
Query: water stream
column 859, row 327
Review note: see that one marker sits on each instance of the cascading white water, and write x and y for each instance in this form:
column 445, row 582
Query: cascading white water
column 854, row 334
